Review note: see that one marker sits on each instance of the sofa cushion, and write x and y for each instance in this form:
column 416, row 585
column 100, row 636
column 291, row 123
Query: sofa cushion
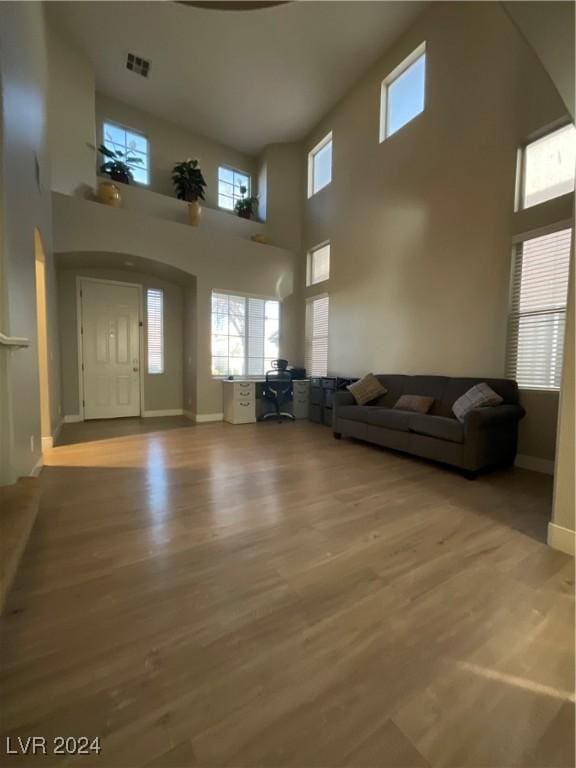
column 354, row 412
column 388, row 418
column 478, row 396
column 456, row 387
column 414, row 403
column 437, row 426
column 366, row 389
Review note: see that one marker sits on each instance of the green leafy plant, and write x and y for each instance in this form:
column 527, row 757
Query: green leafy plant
column 116, row 165
column 188, row 181
column 245, row 207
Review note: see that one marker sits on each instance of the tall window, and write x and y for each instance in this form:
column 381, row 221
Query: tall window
column 318, row 268
column 132, row 145
column 403, row 93
column 245, row 334
column 230, row 184
column 538, row 310
column 316, row 355
column 547, row 167
column 320, row 165
column 155, row 334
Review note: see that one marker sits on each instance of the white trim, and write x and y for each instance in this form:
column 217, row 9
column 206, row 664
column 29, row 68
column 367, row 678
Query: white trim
column 416, row 54
column 48, row 442
column 549, row 229
column 79, row 323
column 200, row 418
column 165, row 412
column 37, row 468
column 73, row 418
column 546, row 466
column 561, row 538
column 13, row 341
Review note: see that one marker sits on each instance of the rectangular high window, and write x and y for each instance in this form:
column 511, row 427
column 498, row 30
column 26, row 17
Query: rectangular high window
column 134, row 146
column 318, row 267
column 245, row 334
column 316, row 353
column 547, row 167
column 155, row 329
column 538, row 310
column 320, row 165
column 403, row 93
column 230, row 185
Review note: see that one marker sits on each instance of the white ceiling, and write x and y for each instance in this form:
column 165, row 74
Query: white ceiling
column 246, row 78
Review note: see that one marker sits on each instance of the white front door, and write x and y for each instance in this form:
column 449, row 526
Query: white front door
column 110, row 349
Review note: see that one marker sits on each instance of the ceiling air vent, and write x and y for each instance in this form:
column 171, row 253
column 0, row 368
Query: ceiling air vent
column 138, row 65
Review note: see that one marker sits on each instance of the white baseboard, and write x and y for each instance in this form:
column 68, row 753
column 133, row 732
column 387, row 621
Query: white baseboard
column 200, row 418
column 165, row 412
column 72, row 418
column 47, row 442
column 546, row 466
column 37, row 468
column 561, row 538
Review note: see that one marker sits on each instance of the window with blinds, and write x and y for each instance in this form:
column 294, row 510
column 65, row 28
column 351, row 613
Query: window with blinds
column 155, row 329
column 316, row 354
column 538, row 310
column 318, row 264
column 245, row 334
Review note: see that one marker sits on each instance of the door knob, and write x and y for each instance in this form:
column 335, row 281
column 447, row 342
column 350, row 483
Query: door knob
column 135, row 370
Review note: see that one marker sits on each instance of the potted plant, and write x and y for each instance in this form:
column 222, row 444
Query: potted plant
column 245, row 207
column 115, row 166
column 189, row 184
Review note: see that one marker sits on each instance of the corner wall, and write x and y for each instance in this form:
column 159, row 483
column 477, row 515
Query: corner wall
column 26, row 205
column 421, row 225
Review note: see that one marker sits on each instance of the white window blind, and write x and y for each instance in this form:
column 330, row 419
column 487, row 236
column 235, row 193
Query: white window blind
column 245, row 334
column 548, row 167
column 155, row 336
column 318, row 264
column 320, row 165
column 538, row 310
column 316, row 353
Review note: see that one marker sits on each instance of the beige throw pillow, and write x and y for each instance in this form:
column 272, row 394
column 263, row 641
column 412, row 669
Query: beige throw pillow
column 366, row 389
column 415, row 403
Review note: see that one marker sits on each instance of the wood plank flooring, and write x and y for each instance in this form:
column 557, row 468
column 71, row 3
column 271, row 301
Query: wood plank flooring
column 263, row 595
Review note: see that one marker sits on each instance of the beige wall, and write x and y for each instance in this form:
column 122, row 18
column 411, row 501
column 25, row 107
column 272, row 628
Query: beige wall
column 161, row 391
column 71, row 116
column 421, row 225
column 217, row 260
column 26, row 205
column 169, row 144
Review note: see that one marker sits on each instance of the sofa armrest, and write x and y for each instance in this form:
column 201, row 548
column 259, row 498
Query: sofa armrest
column 342, row 398
column 492, row 416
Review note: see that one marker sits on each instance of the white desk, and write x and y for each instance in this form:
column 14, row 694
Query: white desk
column 242, row 405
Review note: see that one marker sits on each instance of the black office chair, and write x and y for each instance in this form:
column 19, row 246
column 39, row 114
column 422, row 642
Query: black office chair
column 277, row 390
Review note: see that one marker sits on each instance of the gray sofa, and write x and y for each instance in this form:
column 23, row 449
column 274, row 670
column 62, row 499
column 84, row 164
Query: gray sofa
column 487, row 438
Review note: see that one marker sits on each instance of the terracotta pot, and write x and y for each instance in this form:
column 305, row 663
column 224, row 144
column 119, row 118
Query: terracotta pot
column 109, row 194
column 194, row 212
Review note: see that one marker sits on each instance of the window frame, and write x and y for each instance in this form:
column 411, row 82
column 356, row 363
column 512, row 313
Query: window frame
column 128, row 129
column 390, row 79
column 521, row 166
column 515, row 314
column 308, row 339
column 234, row 199
column 246, row 296
column 328, row 139
column 162, row 370
column 310, row 262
